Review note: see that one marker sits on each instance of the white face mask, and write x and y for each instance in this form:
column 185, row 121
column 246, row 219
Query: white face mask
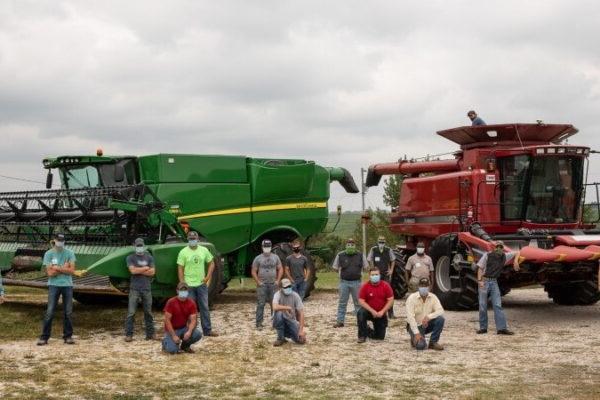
column 267, row 250
column 420, row 251
column 59, row 245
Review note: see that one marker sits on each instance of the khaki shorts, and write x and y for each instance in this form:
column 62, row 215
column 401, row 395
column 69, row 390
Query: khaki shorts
column 413, row 284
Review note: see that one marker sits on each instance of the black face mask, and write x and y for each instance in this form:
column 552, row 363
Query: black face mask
column 296, row 249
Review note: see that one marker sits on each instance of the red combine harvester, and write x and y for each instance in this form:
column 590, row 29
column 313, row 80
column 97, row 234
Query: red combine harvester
column 513, row 182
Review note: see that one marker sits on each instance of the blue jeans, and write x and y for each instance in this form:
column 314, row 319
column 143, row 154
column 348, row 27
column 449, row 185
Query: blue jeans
column 300, row 288
column 490, row 287
column 264, row 294
column 134, row 297
column 171, row 347
column 54, row 292
column 200, row 295
column 435, row 327
column 286, row 326
column 347, row 288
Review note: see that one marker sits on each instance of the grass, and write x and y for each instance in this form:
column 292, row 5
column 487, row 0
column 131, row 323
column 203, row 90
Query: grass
column 326, row 280
column 347, row 223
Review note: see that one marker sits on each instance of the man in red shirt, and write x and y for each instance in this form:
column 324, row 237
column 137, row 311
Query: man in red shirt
column 181, row 318
column 375, row 298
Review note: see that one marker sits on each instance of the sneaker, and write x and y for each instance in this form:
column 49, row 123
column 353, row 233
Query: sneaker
column 301, row 341
column 129, row 339
column 361, row 340
column 153, row 337
column 338, row 325
column 481, row 331
column 279, row 342
column 188, row 350
column 259, row 327
column 392, row 316
column 505, row 332
column 42, row 342
column 69, row 341
column 435, row 346
column 212, row 334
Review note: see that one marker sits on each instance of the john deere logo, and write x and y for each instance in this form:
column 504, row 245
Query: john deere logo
column 196, row 260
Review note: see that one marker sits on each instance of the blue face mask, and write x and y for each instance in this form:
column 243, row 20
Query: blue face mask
column 193, row 242
column 375, row 278
column 423, row 291
column 140, row 250
column 183, row 294
column 287, row 291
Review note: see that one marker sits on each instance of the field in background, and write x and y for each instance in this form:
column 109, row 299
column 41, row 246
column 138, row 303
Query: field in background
column 346, row 226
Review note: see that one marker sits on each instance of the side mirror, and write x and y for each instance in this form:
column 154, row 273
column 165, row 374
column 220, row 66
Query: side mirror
column 119, row 173
column 49, row 180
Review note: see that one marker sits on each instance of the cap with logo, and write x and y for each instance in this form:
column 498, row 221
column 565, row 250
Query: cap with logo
column 424, row 282
column 192, row 235
column 266, row 243
column 182, row 286
column 138, row 242
column 285, row 283
column 59, row 237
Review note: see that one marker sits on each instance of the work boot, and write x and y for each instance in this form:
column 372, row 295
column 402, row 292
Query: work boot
column 361, row 340
column 189, row 350
column 153, row 337
column 505, row 332
column 212, row 334
column 338, row 325
column 481, row 331
column 69, row 341
column 259, row 327
column 129, row 339
column 279, row 342
column 42, row 342
column 435, row 346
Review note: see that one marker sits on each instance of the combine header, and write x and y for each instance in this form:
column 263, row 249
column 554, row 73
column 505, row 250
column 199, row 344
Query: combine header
column 519, row 183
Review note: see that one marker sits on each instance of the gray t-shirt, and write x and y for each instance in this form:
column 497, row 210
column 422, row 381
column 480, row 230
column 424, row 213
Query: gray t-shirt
column 266, row 267
column 140, row 282
column 420, row 266
column 291, row 300
column 297, row 265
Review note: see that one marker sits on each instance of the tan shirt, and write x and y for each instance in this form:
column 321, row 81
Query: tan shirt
column 417, row 309
column 419, row 266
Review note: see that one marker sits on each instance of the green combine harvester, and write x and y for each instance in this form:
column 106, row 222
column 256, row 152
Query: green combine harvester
column 104, row 203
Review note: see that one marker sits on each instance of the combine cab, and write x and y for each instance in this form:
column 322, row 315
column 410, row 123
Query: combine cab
column 104, row 203
column 518, row 183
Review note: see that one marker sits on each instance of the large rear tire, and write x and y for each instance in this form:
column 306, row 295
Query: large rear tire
column 398, row 283
column 575, row 294
column 284, row 249
column 456, row 288
column 215, row 285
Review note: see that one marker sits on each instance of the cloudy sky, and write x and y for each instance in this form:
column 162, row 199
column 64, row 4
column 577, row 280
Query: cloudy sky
column 345, row 83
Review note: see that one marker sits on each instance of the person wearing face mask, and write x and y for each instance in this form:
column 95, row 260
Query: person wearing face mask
column 288, row 317
column 193, row 262
column 59, row 263
column 350, row 264
column 418, row 266
column 141, row 267
column 376, row 297
column 267, row 272
column 297, row 269
column 181, row 319
column 383, row 257
column 490, row 267
column 424, row 315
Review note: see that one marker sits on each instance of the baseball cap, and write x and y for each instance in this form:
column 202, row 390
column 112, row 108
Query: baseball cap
column 350, row 240
column 138, row 242
column 192, row 235
column 266, row 243
column 424, row 282
column 285, row 282
column 420, row 244
column 182, row 286
column 499, row 243
column 381, row 239
column 60, row 237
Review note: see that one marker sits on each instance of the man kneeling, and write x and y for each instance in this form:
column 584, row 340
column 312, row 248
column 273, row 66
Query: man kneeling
column 288, row 317
column 375, row 297
column 181, row 318
column 424, row 314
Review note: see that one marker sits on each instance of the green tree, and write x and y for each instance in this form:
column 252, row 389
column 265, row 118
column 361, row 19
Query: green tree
column 379, row 225
column 391, row 190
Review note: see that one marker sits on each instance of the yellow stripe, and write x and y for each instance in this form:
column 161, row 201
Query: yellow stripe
column 272, row 207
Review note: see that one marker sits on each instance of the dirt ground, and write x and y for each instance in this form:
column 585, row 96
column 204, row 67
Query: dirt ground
column 554, row 355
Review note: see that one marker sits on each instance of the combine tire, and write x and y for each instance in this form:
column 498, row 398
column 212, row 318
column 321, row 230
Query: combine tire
column 284, row 249
column 215, row 285
column 98, row 299
column 457, row 290
column 575, row 294
column 399, row 284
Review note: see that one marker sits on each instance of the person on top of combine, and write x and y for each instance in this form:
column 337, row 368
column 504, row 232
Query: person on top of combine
column 192, row 264
column 350, row 264
column 383, row 258
column 267, row 272
column 297, row 269
column 59, row 263
column 490, row 267
column 1, row 291
column 141, row 267
column 288, row 317
column 181, row 320
column 424, row 314
column 475, row 120
column 418, row 266
column 375, row 297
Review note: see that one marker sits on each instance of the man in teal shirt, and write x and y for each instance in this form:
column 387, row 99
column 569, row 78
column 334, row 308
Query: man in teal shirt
column 60, row 267
column 192, row 263
column 1, row 291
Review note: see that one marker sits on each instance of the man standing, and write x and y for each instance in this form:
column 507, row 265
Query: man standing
column 142, row 269
column 418, row 266
column 1, row 291
column 192, row 263
column 267, row 272
column 490, row 267
column 288, row 319
column 376, row 297
column 350, row 264
column 60, row 267
column 424, row 314
column 181, row 319
column 383, row 257
column 297, row 269
column 475, row 120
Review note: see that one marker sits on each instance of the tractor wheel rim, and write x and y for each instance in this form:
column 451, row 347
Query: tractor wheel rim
column 442, row 274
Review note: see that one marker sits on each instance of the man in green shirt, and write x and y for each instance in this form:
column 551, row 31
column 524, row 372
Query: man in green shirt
column 192, row 263
column 60, row 267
